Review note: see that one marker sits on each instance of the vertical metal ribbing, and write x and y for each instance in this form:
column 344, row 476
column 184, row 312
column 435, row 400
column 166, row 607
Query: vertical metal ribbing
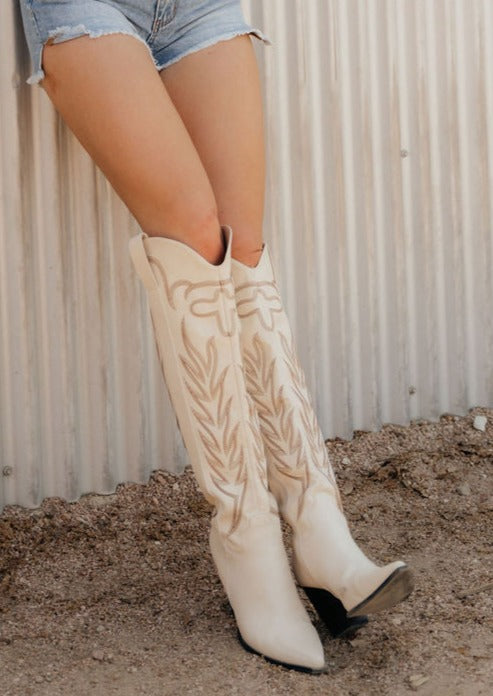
column 379, row 217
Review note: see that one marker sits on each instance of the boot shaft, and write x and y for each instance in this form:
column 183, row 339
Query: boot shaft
column 196, row 326
column 295, row 449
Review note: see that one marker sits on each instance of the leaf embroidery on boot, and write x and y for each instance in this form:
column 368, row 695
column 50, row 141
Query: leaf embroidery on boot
column 291, row 448
column 317, row 447
column 217, row 424
column 212, row 390
column 282, row 442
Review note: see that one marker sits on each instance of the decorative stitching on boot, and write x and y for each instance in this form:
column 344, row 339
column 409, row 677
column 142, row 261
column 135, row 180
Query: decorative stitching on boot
column 250, row 305
column 277, row 412
column 199, row 305
column 318, row 449
column 217, row 426
column 280, row 438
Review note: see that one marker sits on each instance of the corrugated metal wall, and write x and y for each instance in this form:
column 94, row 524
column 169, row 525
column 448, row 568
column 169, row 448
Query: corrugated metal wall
column 380, row 216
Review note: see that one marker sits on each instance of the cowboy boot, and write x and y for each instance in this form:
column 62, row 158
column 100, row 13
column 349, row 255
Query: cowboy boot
column 197, row 335
column 327, row 562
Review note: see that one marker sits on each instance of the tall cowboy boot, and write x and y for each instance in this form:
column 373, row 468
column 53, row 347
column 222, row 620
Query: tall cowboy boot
column 197, row 335
column 328, row 563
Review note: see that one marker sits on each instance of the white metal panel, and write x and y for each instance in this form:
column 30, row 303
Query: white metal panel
column 82, row 401
column 380, row 215
column 380, row 209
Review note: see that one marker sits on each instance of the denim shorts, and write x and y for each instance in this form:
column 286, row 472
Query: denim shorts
column 170, row 29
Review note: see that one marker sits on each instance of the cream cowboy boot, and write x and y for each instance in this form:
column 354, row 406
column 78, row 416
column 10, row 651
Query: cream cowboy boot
column 328, row 563
column 196, row 330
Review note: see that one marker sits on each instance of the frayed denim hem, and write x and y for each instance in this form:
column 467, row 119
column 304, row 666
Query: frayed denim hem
column 66, row 33
column 211, row 42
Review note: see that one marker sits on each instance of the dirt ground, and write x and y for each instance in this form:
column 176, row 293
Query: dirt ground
column 117, row 594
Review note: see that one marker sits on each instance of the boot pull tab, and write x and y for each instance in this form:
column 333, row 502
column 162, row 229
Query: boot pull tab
column 141, row 262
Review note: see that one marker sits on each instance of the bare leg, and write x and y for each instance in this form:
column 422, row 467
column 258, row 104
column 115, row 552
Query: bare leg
column 135, row 136
column 217, row 94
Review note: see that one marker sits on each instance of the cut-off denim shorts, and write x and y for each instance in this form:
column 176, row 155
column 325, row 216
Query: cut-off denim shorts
column 171, row 29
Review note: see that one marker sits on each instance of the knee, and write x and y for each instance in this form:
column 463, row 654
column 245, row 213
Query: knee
column 190, row 220
column 199, row 228
column 204, row 222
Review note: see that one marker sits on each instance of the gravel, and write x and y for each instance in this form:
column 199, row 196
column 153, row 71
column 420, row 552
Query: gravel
column 118, row 595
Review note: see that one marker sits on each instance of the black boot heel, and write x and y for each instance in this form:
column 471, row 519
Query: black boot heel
column 333, row 614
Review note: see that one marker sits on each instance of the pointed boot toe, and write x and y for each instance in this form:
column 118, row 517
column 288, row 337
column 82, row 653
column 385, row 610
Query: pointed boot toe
column 294, row 647
column 270, row 616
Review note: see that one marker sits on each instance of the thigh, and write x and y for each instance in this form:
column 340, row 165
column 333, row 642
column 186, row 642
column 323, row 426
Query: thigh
column 217, row 92
column 110, row 94
column 56, row 21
